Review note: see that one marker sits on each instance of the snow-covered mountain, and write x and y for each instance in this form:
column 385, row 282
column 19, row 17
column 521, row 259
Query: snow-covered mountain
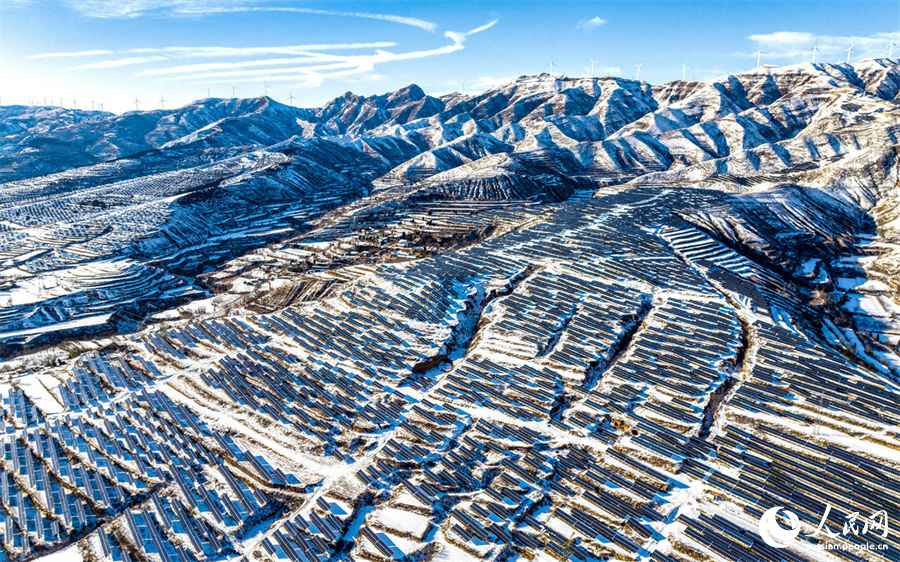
column 767, row 119
column 767, row 135
column 571, row 319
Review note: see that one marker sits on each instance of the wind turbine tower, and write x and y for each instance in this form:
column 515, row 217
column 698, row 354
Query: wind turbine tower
column 815, row 51
column 550, row 65
column 265, row 90
column 291, row 97
column 162, row 102
column 592, row 67
column 136, row 102
column 758, row 55
column 92, row 105
column 639, row 71
column 849, row 52
column 891, row 48
column 233, row 88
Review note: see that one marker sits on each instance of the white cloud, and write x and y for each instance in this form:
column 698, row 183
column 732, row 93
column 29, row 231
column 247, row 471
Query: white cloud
column 415, row 22
column 484, row 27
column 790, row 38
column 302, row 53
column 338, row 65
column 270, row 74
column 459, row 37
column 208, row 52
column 370, row 77
column 116, row 63
column 483, row 83
column 138, row 8
column 214, row 66
column 288, row 66
column 796, row 46
column 313, row 68
column 591, row 24
column 71, row 54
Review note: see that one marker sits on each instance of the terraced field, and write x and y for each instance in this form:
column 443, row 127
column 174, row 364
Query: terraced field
column 605, row 382
column 499, row 327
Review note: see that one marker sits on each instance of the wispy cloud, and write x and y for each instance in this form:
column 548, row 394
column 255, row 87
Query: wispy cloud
column 71, row 54
column 308, row 53
column 274, row 73
column 483, row 83
column 123, row 9
column 415, row 22
column 292, row 65
column 460, row 37
column 219, row 66
column 116, row 63
column 796, row 46
column 591, row 24
column 216, row 52
column 316, row 67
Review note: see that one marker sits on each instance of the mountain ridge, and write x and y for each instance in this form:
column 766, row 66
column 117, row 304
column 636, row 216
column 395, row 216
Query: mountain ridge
column 575, row 110
column 582, row 318
column 538, row 138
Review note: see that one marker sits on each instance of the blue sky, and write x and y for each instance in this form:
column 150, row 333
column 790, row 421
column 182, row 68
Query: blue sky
column 109, row 51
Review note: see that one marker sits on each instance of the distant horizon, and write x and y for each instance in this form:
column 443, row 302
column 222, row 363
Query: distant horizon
column 113, row 50
column 176, row 51
column 428, row 93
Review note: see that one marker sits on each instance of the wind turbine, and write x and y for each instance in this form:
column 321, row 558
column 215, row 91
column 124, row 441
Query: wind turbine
column 265, row 90
column 464, row 87
column 891, row 48
column 74, row 103
column 92, row 105
column 291, row 97
column 60, row 101
column 758, row 55
column 550, row 65
column 136, row 102
column 849, row 52
column 208, row 95
column 162, row 102
column 100, row 104
column 639, row 71
column 233, row 88
column 592, row 67
column 815, row 50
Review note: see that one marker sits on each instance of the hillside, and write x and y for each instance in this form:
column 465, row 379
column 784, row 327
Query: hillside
column 565, row 318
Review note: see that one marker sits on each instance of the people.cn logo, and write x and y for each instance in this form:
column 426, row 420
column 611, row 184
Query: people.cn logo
column 772, row 533
column 776, row 536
